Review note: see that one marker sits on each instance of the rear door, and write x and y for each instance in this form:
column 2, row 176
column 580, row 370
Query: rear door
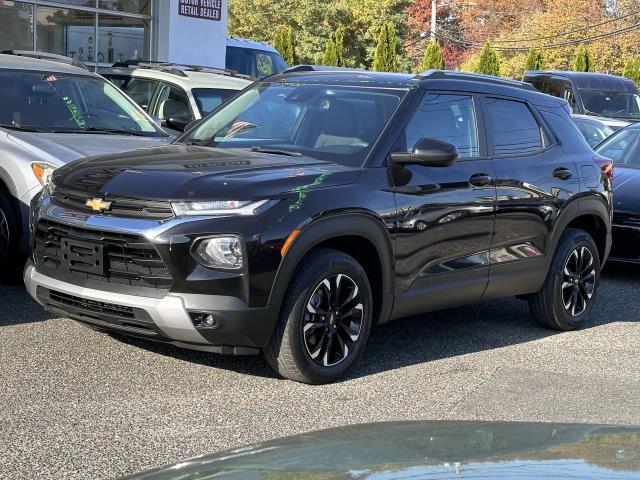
column 445, row 214
column 534, row 178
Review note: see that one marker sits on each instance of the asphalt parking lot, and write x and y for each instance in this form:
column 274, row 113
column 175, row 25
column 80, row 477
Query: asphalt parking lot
column 75, row 403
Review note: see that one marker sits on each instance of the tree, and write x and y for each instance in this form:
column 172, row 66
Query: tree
column 632, row 70
column 433, row 57
column 330, row 55
column 339, row 42
column 284, row 41
column 583, row 61
column 385, row 58
column 535, row 59
column 489, row 63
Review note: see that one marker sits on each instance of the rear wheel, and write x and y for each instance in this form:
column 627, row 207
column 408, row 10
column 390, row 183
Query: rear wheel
column 325, row 319
column 569, row 292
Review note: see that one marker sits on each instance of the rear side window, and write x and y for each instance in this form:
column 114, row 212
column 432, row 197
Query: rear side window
column 141, row 91
column 513, row 129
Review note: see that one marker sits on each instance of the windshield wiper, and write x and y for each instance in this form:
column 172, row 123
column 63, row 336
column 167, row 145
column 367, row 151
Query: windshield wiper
column 276, row 151
column 108, row 131
column 23, row 128
column 589, row 112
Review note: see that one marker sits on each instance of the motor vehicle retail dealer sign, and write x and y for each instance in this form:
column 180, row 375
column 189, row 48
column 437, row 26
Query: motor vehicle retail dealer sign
column 207, row 9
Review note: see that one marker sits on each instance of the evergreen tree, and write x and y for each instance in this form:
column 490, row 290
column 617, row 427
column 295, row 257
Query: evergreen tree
column 632, row 70
column 330, row 55
column 535, row 59
column 433, row 57
column 385, row 58
column 583, row 62
column 489, row 63
column 284, row 42
column 339, row 42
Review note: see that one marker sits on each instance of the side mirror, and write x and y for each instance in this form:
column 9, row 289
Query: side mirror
column 178, row 123
column 428, row 152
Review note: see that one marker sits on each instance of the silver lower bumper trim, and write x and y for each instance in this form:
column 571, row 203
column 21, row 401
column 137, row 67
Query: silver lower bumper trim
column 168, row 313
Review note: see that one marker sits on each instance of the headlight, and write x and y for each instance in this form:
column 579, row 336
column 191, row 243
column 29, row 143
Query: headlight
column 43, row 172
column 223, row 251
column 220, row 207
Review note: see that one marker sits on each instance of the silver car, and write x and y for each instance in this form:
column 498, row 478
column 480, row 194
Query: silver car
column 50, row 114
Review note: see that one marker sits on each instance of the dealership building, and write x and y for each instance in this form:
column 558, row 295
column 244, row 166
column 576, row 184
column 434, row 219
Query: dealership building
column 101, row 32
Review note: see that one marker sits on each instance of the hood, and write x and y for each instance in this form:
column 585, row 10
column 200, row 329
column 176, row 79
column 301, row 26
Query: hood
column 183, row 172
column 61, row 148
column 626, row 185
column 434, row 450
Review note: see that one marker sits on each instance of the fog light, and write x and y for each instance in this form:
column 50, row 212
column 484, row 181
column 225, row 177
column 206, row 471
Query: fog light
column 205, row 320
column 208, row 321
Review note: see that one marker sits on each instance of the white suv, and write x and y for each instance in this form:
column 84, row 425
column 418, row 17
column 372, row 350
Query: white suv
column 175, row 94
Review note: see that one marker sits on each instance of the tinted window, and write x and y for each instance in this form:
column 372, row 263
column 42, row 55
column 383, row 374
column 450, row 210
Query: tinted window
column 257, row 63
column 594, row 132
column 620, row 146
column 208, row 99
column 141, row 91
column 513, row 130
column 450, row 118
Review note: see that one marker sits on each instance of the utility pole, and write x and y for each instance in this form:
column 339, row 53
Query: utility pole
column 433, row 20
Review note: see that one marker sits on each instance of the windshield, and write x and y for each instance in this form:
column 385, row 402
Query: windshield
column 609, row 103
column 335, row 123
column 208, row 99
column 58, row 102
column 622, row 147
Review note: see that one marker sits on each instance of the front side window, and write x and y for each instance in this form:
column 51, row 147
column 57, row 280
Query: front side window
column 67, row 103
column 208, row 99
column 611, row 103
column 449, row 118
column 334, row 123
column 172, row 102
column 621, row 147
column 513, row 130
column 141, row 91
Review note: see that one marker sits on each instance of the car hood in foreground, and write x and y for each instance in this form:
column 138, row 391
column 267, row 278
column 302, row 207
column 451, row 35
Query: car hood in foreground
column 182, row 172
column 626, row 189
column 433, row 450
column 61, row 148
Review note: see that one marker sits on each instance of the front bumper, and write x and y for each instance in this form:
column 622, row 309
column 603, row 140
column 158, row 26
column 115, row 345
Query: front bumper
column 240, row 330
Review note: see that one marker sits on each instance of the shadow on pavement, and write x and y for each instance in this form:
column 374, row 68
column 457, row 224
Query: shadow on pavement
column 447, row 333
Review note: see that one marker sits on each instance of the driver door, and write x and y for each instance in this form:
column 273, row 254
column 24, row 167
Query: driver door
column 445, row 214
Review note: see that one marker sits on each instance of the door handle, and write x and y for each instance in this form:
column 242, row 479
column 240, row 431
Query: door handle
column 480, row 180
column 562, row 173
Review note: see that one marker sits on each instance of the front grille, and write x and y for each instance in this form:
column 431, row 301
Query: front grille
column 88, row 254
column 120, row 206
column 87, row 305
column 626, row 219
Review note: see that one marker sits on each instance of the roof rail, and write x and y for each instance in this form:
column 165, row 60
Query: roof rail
column 47, row 56
column 320, row 68
column 179, row 69
column 477, row 77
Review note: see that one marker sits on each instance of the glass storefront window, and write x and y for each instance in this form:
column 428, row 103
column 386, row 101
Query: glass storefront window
column 122, row 38
column 66, row 32
column 16, row 26
column 141, row 7
column 79, row 3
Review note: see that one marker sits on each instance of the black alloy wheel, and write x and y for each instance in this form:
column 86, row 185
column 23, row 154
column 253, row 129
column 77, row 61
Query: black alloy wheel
column 579, row 281
column 333, row 320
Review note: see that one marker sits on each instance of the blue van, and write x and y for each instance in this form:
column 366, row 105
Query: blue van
column 614, row 99
column 253, row 58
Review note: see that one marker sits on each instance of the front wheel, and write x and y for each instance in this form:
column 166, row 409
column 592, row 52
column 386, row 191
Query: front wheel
column 325, row 319
column 569, row 292
column 9, row 236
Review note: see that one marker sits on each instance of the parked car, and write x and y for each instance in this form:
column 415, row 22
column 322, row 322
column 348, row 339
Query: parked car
column 252, row 58
column 624, row 149
column 272, row 225
column 175, row 94
column 434, row 450
column 55, row 111
column 594, row 130
column 614, row 100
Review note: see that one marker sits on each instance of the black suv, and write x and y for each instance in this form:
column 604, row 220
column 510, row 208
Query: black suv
column 316, row 204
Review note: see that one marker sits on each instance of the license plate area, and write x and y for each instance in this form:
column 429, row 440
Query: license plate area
column 79, row 256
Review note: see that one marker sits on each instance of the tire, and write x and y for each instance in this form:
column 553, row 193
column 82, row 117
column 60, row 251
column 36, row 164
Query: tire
column 296, row 348
column 10, row 232
column 567, row 298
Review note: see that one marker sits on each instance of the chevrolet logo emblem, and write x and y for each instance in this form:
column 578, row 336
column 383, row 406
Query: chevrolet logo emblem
column 98, row 205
